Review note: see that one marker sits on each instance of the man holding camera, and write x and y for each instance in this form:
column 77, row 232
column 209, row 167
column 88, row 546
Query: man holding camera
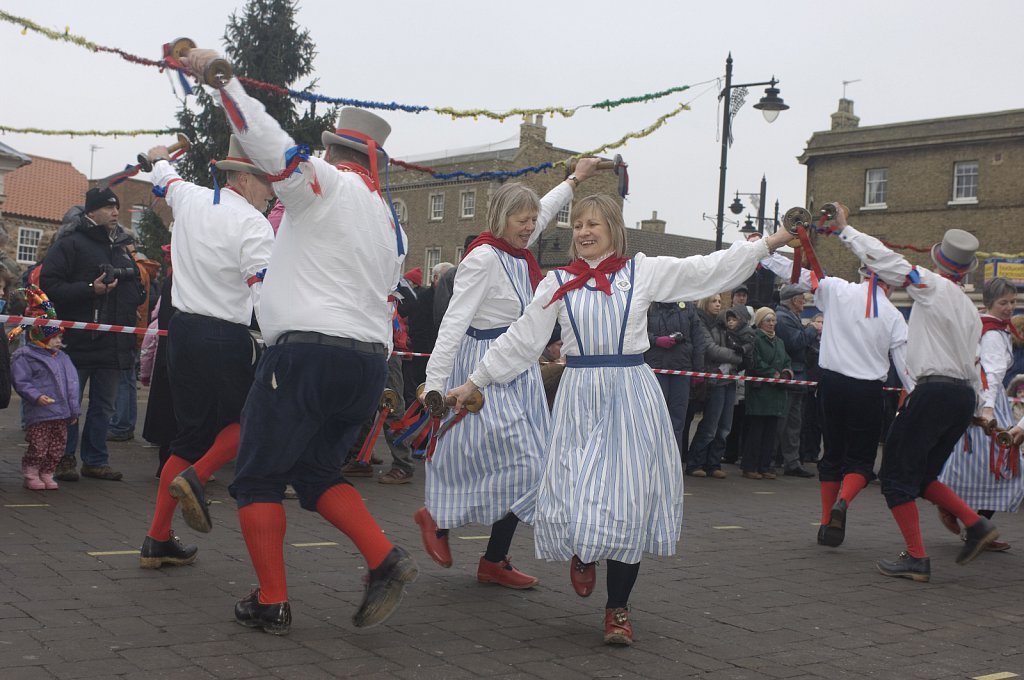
column 89, row 276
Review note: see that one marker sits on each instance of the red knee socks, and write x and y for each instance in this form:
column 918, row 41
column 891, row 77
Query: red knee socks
column 944, row 497
column 910, row 526
column 263, row 527
column 853, row 484
column 342, row 506
column 829, row 493
column 223, row 450
column 160, row 528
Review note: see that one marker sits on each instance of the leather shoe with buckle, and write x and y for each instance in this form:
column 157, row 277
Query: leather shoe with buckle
column 504, row 574
column 977, row 537
column 385, row 586
column 904, row 566
column 617, row 628
column 436, row 546
column 191, row 497
column 275, row 618
column 835, row 531
column 172, row 552
column 583, row 576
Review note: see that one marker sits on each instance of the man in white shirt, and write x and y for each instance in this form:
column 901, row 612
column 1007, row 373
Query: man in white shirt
column 855, row 351
column 326, row 318
column 942, row 346
column 220, row 248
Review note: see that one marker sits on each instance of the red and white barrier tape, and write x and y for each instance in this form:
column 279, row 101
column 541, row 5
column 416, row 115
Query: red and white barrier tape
column 77, row 325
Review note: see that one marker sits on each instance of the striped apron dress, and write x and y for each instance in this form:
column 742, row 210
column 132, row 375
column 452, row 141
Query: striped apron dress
column 490, row 463
column 969, row 470
column 613, row 486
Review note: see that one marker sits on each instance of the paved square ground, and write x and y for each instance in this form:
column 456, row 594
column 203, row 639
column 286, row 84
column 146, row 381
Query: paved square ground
column 750, row 594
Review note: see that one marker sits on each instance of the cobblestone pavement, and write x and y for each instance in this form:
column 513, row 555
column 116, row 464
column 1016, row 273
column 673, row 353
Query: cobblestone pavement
column 750, row 594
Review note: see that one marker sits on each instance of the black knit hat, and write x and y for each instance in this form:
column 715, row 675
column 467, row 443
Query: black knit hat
column 97, row 198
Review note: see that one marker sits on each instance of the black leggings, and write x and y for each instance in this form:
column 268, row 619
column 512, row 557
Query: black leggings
column 621, row 579
column 502, row 532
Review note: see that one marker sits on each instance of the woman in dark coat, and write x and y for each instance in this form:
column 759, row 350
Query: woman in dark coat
column 766, row 402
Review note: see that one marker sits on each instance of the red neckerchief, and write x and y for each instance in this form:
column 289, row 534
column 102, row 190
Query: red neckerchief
column 583, row 272
column 488, row 239
column 991, row 323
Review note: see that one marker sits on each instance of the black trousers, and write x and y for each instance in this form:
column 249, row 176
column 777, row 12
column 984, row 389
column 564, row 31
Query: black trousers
column 851, row 412
column 921, row 438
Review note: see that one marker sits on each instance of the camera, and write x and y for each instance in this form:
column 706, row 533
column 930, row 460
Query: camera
column 677, row 336
column 112, row 273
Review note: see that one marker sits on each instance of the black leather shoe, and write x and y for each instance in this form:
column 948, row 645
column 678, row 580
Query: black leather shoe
column 916, row 568
column 976, row 539
column 833, row 533
column 191, row 497
column 385, row 586
column 275, row 618
column 798, row 472
column 156, row 554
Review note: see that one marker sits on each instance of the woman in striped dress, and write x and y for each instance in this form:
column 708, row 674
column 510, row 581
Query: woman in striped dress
column 976, row 470
column 486, row 468
column 612, row 487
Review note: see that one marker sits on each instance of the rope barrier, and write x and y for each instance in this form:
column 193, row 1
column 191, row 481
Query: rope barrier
column 77, row 325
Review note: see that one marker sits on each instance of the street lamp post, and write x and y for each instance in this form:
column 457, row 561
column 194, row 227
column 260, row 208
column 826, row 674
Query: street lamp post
column 769, row 105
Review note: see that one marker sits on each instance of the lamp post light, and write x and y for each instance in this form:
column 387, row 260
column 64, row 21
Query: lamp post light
column 770, row 105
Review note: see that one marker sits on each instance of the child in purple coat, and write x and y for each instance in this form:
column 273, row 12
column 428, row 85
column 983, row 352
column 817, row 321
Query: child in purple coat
column 47, row 382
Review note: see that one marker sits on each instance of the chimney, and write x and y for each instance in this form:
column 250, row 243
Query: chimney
column 653, row 225
column 843, row 119
column 532, row 131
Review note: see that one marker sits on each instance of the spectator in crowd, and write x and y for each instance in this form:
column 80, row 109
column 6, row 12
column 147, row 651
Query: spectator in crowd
column 678, row 343
column 810, row 432
column 552, row 365
column 47, row 382
column 89, row 276
column 766, row 402
column 720, row 356
column 1017, row 367
column 796, row 338
column 160, row 426
column 446, row 285
column 419, row 314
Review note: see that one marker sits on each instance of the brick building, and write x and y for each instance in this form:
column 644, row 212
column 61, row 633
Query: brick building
column 439, row 214
column 906, row 183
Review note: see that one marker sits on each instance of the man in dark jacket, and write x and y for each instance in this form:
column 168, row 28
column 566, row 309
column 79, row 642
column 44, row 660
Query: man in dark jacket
column 797, row 338
column 90, row 277
column 678, row 344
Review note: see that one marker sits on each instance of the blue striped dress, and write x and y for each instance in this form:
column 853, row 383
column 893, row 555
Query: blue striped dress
column 968, row 471
column 490, row 463
column 613, row 487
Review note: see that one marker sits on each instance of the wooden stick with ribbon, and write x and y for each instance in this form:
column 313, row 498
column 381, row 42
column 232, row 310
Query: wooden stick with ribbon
column 388, row 404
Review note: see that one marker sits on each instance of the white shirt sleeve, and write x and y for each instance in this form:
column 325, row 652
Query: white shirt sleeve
column 891, row 267
column 552, row 202
column 692, row 278
column 521, row 345
column 992, row 353
column 782, row 266
column 472, row 286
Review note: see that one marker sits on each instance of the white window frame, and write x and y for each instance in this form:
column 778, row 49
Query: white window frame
column 962, row 187
column 562, row 217
column 401, row 210
column 436, row 210
column 467, row 204
column 876, row 186
column 28, row 244
column 431, row 257
column 459, row 252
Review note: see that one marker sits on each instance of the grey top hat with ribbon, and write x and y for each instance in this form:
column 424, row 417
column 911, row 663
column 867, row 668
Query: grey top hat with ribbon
column 237, row 160
column 955, row 254
column 354, row 126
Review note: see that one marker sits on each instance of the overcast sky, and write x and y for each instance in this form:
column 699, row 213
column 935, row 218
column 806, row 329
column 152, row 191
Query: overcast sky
column 912, row 60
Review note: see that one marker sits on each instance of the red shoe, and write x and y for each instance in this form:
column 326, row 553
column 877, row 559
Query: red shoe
column 994, row 546
column 949, row 521
column 436, row 547
column 617, row 628
column 583, row 576
column 504, row 574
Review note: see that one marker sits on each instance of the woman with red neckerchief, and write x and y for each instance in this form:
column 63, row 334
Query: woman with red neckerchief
column 969, row 470
column 612, row 487
column 486, row 469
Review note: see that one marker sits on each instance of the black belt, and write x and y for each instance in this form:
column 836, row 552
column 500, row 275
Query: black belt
column 314, row 338
column 943, row 379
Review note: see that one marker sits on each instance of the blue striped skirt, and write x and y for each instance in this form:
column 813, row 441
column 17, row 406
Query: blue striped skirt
column 613, row 485
column 490, row 464
column 968, row 471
